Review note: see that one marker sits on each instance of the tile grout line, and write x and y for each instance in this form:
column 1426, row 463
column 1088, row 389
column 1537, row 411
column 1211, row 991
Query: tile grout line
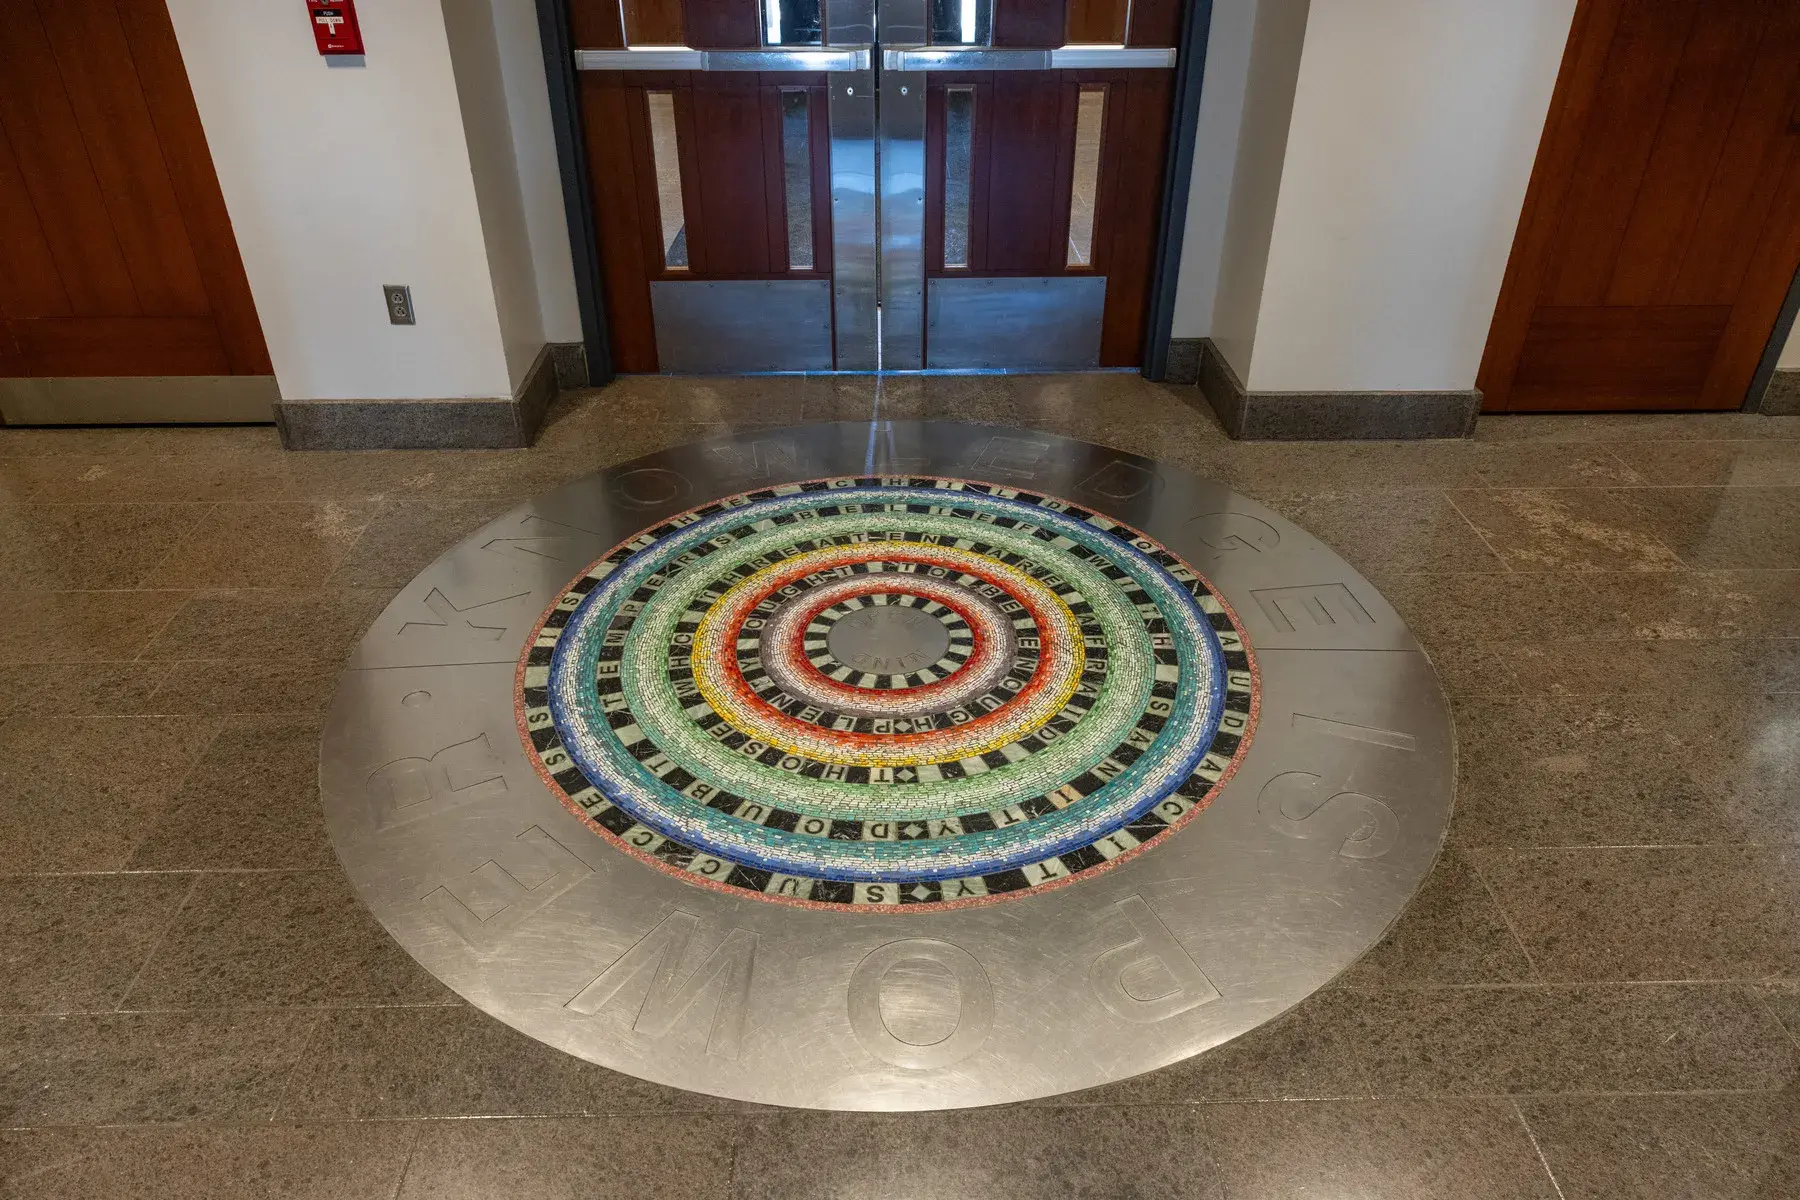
column 412, row 1150
column 154, row 821
column 384, row 508
column 1474, row 861
column 1759, row 994
column 174, row 919
column 1450, row 499
column 287, row 1082
column 1531, row 1134
column 183, row 540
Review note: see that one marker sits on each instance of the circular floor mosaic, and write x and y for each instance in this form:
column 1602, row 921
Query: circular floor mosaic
column 887, row 692
column 909, row 765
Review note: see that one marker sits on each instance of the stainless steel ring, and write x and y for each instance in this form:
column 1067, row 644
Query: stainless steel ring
column 1311, row 850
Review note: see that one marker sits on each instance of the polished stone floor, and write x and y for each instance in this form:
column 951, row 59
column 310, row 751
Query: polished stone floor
column 1597, row 994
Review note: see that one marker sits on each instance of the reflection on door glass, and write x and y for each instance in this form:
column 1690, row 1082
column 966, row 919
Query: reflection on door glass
column 961, row 22
column 796, row 177
column 1088, row 121
column 667, row 152
column 792, row 23
column 959, row 148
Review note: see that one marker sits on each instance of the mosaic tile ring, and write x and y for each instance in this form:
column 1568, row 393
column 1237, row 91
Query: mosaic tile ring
column 887, row 766
column 1116, row 695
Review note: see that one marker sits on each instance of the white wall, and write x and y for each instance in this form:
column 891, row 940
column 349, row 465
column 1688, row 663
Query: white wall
column 339, row 180
column 1790, row 357
column 1415, row 125
column 1215, row 157
column 481, row 93
column 540, row 175
column 1275, row 50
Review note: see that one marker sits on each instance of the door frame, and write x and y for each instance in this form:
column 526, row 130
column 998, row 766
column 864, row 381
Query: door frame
column 584, row 244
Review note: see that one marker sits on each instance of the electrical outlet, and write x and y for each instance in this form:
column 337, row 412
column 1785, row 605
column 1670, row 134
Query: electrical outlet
column 399, row 304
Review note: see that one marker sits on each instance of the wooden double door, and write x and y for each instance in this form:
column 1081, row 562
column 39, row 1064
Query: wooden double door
column 815, row 185
column 117, row 259
column 1661, row 229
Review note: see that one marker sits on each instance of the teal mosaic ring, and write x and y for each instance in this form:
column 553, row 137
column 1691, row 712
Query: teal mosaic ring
column 1066, row 693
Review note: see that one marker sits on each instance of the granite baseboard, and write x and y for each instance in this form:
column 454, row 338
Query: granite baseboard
column 1331, row 416
column 501, row 423
column 1782, row 397
column 571, row 363
column 1183, row 364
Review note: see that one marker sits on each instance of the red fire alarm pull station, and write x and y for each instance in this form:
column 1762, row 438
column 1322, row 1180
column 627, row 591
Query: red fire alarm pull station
column 334, row 26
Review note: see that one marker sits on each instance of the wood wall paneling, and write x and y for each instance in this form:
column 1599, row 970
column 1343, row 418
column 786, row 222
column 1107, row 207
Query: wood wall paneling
column 1661, row 227
column 1031, row 130
column 40, row 123
column 157, row 58
column 1030, row 24
column 1155, row 23
column 596, row 25
column 610, row 113
column 32, row 284
column 1132, row 159
column 1097, row 22
column 723, row 24
column 118, row 256
column 53, row 346
column 94, row 61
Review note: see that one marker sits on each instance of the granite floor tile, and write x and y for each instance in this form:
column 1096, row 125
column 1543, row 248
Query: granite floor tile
column 102, row 689
column 1313, row 1051
column 176, row 478
column 1078, row 1153
column 1702, row 604
column 1749, row 463
column 251, row 802
column 72, row 627
column 235, row 686
column 62, row 547
column 1590, row 1038
column 405, row 536
column 59, row 813
column 453, row 1061
column 209, row 440
column 1452, row 932
column 286, row 625
column 669, row 1158
column 42, row 1164
column 1394, row 1150
column 129, row 1068
column 76, row 942
column 1462, row 609
column 1546, row 770
column 1471, row 669
column 1416, row 531
column 219, row 1162
column 265, row 545
column 1735, row 528
column 1570, row 529
column 522, row 474
column 1658, row 666
column 1631, row 427
column 27, row 443
column 1694, row 912
column 590, row 435
column 285, row 938
column 1671, row 1147
column 980, row 399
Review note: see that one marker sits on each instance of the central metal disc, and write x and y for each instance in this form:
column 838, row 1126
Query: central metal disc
column 888, row 639
column 920, row 766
